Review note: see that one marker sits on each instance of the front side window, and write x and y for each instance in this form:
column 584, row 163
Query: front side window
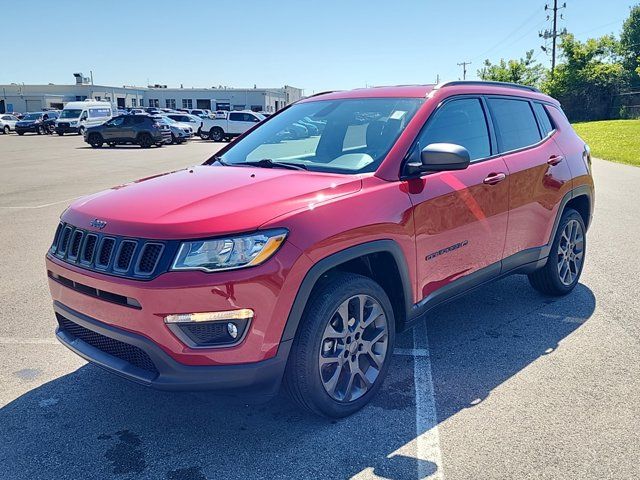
column 339, row 136
column 517, row 127
column 461, row 122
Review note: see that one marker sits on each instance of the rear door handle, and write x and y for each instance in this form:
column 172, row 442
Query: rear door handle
column 494, row 178
column 555, row 159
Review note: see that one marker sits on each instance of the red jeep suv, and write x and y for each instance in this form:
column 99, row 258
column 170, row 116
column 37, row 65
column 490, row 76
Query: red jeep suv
column 296, row 253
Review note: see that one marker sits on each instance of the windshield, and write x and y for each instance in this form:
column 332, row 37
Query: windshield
column 71, row 113
column 340, row 136
column 169, row 120
column 32, row 116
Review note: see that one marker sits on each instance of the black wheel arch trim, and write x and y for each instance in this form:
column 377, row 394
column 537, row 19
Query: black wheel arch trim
column 323, row 266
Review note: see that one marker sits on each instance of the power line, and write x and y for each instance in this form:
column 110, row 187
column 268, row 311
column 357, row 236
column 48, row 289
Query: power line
column 513, row 32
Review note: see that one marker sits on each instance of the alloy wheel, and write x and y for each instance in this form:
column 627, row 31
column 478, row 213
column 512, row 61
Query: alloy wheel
column 353, row 348
column 570, row 252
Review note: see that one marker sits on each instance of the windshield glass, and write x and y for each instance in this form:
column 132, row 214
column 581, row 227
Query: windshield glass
column 169, row 120
column 71, row 113
column 32, row 116
column 341, row 136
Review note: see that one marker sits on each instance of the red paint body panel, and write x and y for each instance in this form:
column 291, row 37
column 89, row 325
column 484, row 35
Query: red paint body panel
column 454, row 207
column 324, row 214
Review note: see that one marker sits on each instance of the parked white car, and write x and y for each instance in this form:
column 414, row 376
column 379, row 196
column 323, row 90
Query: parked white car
column 232, row 125
column 76, row 117
column 193, row 121
column 7, row 123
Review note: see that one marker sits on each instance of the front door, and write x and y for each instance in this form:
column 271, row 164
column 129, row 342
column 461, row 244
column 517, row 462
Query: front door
column 460, row 216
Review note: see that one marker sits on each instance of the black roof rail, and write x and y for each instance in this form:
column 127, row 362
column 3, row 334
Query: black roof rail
column 322, row 93
column 488, row 83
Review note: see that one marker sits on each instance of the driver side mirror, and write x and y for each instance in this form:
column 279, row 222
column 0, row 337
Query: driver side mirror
column 440, row 157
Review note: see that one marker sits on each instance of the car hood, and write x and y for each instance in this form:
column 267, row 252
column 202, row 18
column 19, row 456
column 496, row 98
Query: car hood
column 26, row 123
column 206, row 201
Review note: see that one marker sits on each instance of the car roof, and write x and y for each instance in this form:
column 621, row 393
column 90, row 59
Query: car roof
column 440, row 90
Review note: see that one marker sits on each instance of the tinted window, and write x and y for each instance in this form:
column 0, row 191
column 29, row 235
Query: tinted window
column 543, row 118
column 461, row 122
column 116, row 122
column 99, row 112
column 236, row 117
column 515, row 121
column 139, row 119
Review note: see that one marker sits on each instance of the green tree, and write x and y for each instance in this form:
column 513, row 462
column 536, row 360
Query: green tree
column 630, row 46
column 590, row 75
column 525, row 70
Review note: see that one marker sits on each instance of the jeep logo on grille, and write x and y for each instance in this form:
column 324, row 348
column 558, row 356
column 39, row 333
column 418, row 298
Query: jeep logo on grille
column 99, row 224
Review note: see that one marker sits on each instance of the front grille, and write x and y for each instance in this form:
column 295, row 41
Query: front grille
column 125, row 257
column 115, row 348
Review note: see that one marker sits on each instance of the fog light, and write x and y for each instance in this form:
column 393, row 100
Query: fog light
column 241, row 314
column 232, row 329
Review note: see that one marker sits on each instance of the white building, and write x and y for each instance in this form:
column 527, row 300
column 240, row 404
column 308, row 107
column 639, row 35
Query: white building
column 33, row 98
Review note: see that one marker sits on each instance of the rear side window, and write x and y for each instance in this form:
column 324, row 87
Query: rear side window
column 139, row 119
column 461, row 122
column 543, row 118
column 236, row 117
column 517, row 126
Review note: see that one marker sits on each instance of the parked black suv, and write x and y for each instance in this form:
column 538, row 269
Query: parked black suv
column 37, row 122
column 142, row 130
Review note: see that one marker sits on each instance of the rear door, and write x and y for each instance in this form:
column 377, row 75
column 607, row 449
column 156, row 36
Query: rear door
column 540, row 176
column 460, row 216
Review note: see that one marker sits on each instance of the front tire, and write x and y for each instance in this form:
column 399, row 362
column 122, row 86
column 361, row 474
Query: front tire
column 6, row 129
column 562, row 271
column 343, row 347
column 96, row 140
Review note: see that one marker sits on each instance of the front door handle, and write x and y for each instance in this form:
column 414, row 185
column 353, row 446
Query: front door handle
column 494, row 178
column 555, row 159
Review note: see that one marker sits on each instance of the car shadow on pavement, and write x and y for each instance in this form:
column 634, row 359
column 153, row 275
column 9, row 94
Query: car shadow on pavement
column 90, row 424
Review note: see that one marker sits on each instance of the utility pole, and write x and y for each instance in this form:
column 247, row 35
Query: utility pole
column 553, row 34
column 464, row 69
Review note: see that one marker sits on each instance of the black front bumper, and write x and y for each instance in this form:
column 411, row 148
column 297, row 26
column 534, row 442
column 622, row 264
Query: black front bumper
column 115, row 349
column 66, row 129
column 26, row 129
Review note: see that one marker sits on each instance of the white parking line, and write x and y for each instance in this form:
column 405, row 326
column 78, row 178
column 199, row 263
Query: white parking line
column 427, row 440
column 43, row 205
column 28, row 341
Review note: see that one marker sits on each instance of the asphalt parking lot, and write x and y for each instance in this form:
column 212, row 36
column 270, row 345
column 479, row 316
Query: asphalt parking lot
column 504, row 384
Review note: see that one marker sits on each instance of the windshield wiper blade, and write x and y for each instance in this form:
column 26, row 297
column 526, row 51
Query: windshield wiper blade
column 268, row 163
column 218, row 159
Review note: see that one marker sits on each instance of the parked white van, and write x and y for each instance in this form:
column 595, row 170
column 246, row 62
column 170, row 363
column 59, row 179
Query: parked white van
column 77, row 116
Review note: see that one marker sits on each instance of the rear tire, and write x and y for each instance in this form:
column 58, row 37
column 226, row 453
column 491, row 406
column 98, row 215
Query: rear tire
column 216, row 134
column 562, row 271
column 145, row 140
column 174, row 140
column 341, row 352
column 39, row 130
column 61, row 134
column 81, row 131
column 20, row 133
column 6, row 129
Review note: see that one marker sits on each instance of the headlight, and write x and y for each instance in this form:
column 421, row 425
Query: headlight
column 229, row 253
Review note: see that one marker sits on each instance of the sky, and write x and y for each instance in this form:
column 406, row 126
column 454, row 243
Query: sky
column 309, row 44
